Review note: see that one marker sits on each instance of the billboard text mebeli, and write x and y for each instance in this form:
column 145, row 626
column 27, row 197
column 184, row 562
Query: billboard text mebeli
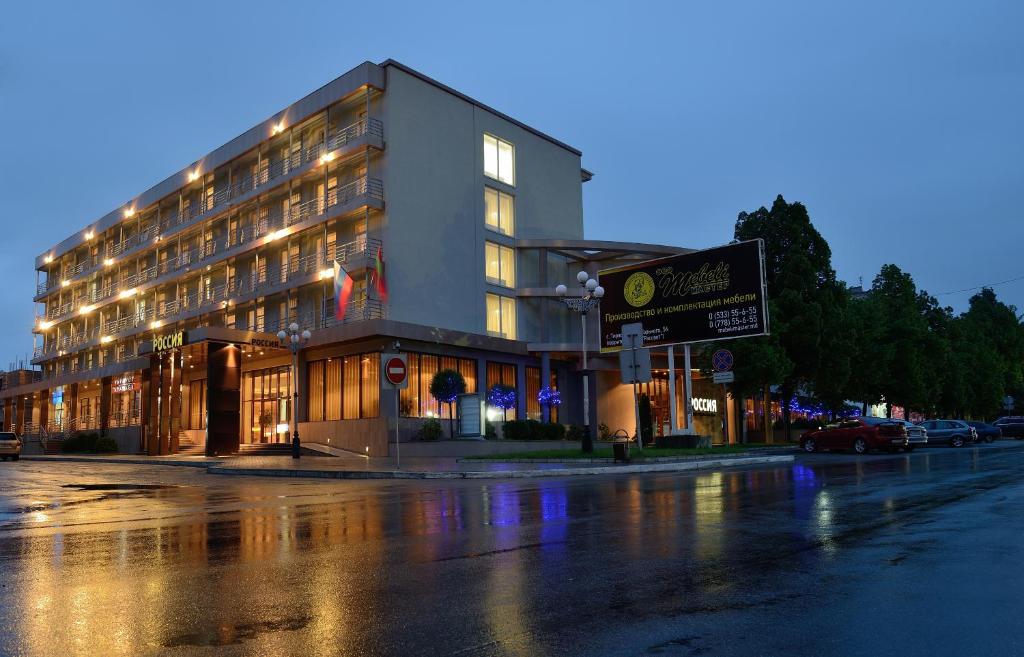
column 715, row 294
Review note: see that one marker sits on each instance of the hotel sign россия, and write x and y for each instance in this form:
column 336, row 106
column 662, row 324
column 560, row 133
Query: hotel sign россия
column 714, row 294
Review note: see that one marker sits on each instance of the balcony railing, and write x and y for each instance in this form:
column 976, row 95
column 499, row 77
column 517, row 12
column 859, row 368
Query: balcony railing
column 200, row 255
column 237, row 288
column 240, row 187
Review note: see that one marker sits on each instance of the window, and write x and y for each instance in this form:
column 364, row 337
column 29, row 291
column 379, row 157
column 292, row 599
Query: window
column 499, row 160
column 500, row 264
column 503, row 374
column 533, row 408
column 501, row 316
column 499, row 211
column 345, row 388
column 415, row 399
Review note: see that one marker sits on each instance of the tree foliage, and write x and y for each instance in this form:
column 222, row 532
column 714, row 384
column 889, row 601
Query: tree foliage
column 894, row 344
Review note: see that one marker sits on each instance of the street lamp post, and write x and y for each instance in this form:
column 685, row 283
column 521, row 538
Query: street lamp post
column 294, row 340
column 588, row 299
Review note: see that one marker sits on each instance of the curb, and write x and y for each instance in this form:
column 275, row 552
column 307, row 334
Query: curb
column 218, row 468
column 99, row 459
column 641, row 460
column 501, row 474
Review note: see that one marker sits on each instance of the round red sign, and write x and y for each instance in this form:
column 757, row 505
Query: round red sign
column 394, row 370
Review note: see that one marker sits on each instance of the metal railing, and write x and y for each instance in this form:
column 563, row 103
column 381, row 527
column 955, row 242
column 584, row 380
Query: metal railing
column 237, row 288
column 249, row 183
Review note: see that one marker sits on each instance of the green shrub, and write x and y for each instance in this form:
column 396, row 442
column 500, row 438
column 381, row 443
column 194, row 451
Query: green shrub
column 533, row 430
column 81, row 442
column 575, row 432
column 490, row 433
column 105, row 445
column 431, row 430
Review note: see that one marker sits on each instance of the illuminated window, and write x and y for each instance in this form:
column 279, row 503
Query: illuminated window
column 501, row 316
column 500, row 264
column 499, row 211
column 499, row 160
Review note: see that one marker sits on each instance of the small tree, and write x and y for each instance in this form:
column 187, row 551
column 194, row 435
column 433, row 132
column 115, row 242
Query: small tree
column 549, row 398
column 445, row 387
column 503, row 397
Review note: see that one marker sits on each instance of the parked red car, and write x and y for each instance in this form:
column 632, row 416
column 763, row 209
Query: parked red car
column 859, row 434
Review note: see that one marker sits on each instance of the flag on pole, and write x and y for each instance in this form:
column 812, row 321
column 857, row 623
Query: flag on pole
column 378, row 274
column 342, row 291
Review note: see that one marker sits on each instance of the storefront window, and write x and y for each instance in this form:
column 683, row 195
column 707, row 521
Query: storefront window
column 505, row 374
column 346, row 388
column 416, row 400
column 533, row 408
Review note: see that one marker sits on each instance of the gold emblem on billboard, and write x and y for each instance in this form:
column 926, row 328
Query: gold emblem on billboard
column 639, row 289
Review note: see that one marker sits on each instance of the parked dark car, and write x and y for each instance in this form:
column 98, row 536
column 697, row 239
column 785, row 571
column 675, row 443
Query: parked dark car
column 917, row 436
column 1012, row 426
column 986, row 432
column 949, row 432
column 860, row 435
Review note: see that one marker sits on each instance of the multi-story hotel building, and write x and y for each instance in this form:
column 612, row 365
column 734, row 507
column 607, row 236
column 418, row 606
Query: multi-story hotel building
column 156, row 322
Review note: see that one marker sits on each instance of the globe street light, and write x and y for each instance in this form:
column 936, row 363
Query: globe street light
column 294, row 341
column 589, row 298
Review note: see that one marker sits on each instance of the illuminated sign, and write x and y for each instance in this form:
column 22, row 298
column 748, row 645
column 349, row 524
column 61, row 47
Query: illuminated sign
column 703, row 405
column 57, row 396
column 125, row 383
column 715, row 294
column 168, row 341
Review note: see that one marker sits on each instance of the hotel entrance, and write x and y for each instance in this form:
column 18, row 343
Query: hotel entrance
column 210, row 390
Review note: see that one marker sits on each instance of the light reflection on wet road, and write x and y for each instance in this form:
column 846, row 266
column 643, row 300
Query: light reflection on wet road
column 831, row 554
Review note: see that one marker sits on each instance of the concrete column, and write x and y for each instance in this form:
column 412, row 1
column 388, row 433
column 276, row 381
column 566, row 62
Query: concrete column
column 174, row 402
column 105, row 384
column 520, row 391
column 150, row 410
column 223, row 398
column 545, row 379
column 673, row 421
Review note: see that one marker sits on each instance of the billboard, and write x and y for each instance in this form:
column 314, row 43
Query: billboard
column 714, row 294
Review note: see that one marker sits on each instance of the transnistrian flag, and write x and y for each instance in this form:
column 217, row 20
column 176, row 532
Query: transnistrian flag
column 378, row 274
column 342, row 290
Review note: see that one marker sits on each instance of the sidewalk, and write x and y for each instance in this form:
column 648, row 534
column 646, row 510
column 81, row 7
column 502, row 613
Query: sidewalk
column 357, row 467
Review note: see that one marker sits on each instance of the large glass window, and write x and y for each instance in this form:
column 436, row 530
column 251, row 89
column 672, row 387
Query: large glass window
column 346, row 388
column 501, row 316
column 416, row 400
column 500, row 264
column 533, row 409
column 505, row 374
column 499, row 211
column 499, row 160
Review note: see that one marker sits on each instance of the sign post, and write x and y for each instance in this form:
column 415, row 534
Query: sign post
column 635, row 367
column 395, row 371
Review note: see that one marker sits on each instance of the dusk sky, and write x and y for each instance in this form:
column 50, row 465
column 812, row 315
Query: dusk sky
column 898, row 124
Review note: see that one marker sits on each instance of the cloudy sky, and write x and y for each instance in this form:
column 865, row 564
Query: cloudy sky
column 898, row 124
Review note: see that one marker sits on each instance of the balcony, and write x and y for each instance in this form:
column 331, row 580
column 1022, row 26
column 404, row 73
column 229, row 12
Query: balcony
column 370, row 129
column 237, row 289
column 217, row 250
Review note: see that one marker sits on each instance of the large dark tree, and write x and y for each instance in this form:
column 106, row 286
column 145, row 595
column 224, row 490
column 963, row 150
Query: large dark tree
column 902, row 364
column 806, row 302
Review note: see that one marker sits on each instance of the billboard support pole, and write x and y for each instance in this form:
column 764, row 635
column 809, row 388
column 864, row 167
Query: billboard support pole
column 688, row 387
column 673, row 423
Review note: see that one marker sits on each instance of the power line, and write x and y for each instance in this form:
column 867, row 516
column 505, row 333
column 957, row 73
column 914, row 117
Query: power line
column 978, row 287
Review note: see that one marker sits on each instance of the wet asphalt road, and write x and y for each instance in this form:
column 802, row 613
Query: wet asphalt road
column 830, row 555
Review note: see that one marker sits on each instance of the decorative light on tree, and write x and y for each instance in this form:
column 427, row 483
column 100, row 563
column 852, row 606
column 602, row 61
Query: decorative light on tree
column 503, row 397
column 549, row 397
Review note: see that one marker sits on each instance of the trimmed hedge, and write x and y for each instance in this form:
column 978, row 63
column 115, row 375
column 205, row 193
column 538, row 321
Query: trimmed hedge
column 533, row 430
column 431, row 430
column 89, row 441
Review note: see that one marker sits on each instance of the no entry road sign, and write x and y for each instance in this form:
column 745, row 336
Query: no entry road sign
column 721, row 360
column 395, row 370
